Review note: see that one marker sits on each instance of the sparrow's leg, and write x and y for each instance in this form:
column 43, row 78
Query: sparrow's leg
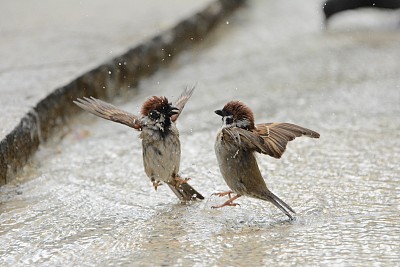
column 156, row 184
column 179, row 181
column 228, row 203
column 221, row 194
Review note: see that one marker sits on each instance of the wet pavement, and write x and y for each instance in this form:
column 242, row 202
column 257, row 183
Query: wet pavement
column 84, row 199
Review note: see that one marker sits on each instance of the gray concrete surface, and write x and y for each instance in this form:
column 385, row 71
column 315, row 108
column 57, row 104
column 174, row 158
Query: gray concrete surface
column 45, row 45
column 53, row 105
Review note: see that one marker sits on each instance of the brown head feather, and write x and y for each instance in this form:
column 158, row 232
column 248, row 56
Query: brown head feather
column 240, row 112
column 159, row 103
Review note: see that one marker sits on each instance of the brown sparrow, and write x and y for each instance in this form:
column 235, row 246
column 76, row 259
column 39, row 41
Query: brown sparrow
column 235, row 145
column 160, row 138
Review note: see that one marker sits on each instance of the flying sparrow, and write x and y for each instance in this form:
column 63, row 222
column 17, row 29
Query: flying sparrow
column 235, row 145
column 160, row 137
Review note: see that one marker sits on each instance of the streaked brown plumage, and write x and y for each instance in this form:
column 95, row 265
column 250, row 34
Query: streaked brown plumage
column 160, row 137
column 235, row 145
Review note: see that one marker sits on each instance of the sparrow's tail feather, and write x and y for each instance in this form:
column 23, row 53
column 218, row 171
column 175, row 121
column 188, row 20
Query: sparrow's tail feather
column 185, row 192
column 279, row 203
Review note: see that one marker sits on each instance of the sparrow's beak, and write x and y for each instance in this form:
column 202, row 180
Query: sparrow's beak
column 219, row 112
column 173, row 111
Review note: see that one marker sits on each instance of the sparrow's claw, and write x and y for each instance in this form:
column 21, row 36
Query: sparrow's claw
column 179, row 181
column 221, row 194
column 229, row 202
column 156, row 184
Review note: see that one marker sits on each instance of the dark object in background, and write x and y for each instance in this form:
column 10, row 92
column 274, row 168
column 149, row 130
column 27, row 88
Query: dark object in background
column 332, row 7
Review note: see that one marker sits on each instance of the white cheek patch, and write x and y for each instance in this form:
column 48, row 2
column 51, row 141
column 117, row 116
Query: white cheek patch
column 227, row 121
column 243, row 123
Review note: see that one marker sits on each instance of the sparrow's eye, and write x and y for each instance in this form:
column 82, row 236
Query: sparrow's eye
column 154, row 115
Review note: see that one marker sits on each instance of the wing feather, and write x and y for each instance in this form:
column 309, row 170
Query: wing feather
column 109, row 112
column 181, row 102
column 277, row 135
column 245, row 139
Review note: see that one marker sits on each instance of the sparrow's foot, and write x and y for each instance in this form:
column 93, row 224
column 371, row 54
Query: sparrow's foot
column 156, row 184
column 179, row 181
column 229, row 202
column 221, row 194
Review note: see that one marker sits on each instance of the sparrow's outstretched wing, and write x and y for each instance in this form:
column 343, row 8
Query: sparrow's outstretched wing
column 277, row 135
column 243, row 139
column 108, row 112
column 181, row 102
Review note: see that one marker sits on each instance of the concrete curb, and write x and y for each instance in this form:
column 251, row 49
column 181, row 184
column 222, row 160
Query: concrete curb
column 105, row 82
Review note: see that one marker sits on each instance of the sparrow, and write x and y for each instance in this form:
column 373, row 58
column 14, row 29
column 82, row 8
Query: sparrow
column 235, row 147
column 160, row 137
